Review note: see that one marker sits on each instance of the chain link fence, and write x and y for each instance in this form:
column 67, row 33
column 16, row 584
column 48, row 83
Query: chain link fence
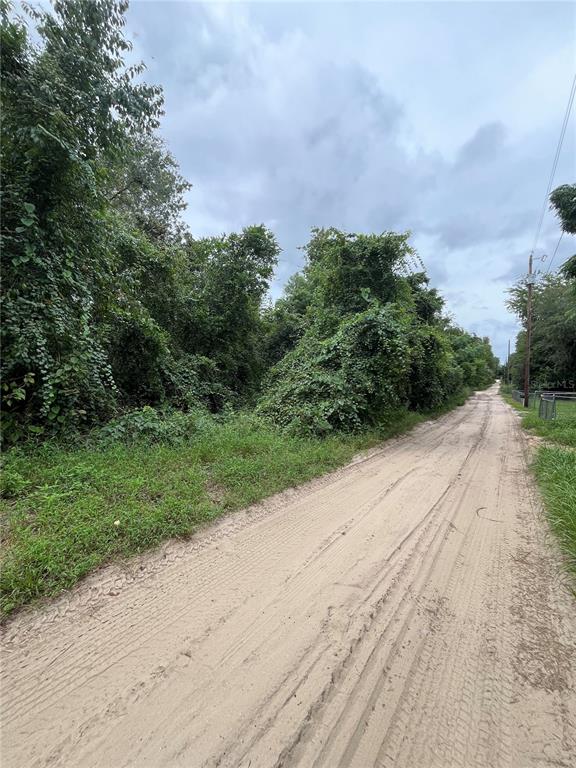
column 533, row 397
column 550, row 405
column 560, row 406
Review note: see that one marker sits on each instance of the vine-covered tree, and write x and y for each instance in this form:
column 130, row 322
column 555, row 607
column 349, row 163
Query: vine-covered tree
column 107, row 301
column 364, row 338
column 70, row 106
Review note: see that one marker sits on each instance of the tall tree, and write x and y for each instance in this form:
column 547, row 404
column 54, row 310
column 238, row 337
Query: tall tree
column 553, row 351
column 230, row 277
column 146, row 186
column 69, row 107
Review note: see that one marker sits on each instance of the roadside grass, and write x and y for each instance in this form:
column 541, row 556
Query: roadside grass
column 555, row 470
column 68, row 510
column 561, row 431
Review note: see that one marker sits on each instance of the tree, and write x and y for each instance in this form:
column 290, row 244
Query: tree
column 229, row 277
column 363, row 338
column 345, row 381
column 146, row 186
column 553, row 351
column 69, row 107
column 474, row 356
column 563, row 201
column 345, row 268
column 285, row 322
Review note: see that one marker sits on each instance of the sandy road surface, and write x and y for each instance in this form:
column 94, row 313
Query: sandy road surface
column 406, row 611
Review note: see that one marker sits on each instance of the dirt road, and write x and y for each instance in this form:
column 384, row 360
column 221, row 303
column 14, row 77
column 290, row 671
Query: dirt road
column 406, row 611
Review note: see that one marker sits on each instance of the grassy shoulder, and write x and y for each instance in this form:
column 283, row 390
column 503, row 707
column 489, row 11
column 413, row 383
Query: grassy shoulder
column 69, row 510
column 560, row 432
column 555, row 470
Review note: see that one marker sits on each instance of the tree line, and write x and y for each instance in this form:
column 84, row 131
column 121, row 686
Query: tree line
column 553, row 347
column 109, row 302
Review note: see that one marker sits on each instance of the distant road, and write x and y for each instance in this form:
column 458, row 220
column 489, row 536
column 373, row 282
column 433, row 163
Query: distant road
column 407, row 611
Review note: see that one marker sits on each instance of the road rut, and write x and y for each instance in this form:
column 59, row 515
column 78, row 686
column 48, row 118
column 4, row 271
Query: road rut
column 408, row 610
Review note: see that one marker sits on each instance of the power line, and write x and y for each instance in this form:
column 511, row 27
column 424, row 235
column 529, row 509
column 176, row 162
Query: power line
column 555, row 162
column 555, row 252
column 530, row 278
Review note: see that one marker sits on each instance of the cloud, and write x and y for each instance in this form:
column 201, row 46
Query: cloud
column 278, row 114
column 486, row 145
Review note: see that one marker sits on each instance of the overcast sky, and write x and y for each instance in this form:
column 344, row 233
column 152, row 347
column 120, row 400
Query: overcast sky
column 440, row 118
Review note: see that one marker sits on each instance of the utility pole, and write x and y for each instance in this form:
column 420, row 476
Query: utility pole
column 508, row 377
column 530, row 284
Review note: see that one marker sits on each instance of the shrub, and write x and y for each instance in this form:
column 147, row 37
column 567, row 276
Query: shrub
column 149, row 425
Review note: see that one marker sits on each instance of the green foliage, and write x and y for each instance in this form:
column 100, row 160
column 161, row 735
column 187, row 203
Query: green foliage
column 344, row 270
column 285, row 322
column 147, row 425
column 553, row 352
column 569, row 269
column 228, row 278
column 563, row 201
column 107, row 302
column 345, row 381
column 428, row 303
column 363, row 339
column 474, row 357
column 12, row 484
column 68, row 107
column 146, row 187
column 433, row 374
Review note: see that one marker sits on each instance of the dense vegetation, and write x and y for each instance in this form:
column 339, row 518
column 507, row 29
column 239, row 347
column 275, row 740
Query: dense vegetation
column 109, row 303
column 147, row 384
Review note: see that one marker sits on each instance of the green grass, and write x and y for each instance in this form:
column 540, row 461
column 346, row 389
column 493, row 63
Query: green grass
column 555, row 470
column 558, row 431
column 566, row 409
column 68, row 510
column 561, row 431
